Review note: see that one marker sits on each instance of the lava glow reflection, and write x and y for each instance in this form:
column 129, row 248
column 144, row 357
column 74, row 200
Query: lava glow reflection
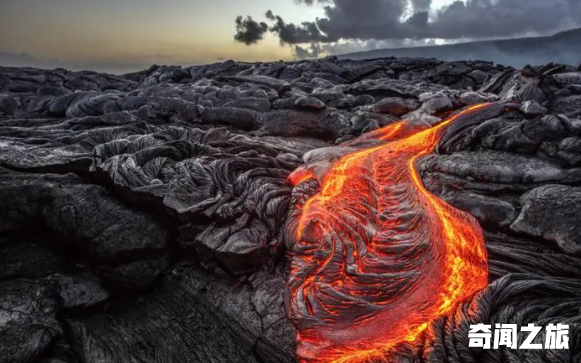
column 377, row 257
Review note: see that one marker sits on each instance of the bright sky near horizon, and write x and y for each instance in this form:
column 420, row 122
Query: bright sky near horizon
column 143, row 31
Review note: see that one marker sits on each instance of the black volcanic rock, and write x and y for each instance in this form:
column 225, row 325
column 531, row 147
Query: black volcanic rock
column 142, row 215
column 393, row 106
column 28, row 325
column 547, row 214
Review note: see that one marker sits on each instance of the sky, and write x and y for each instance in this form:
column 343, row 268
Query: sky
column 144, row 32
column 139, row 30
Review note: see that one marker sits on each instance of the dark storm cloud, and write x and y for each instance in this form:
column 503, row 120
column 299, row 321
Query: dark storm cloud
column 294, row 34
column 485, row 18
column 311, row 2
column 249, row 31
column 410, row 19
column 420, row 5
column 313, row 51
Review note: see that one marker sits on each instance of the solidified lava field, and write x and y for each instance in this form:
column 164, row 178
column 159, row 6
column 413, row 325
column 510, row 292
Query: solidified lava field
column 315, row 211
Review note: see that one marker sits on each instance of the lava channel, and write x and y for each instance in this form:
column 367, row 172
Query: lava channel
column 376, row 257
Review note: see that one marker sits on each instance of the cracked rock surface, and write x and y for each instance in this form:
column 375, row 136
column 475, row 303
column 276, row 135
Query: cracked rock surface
column 142, row 215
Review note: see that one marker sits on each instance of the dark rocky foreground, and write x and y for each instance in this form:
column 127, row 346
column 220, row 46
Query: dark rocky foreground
column 141, row 216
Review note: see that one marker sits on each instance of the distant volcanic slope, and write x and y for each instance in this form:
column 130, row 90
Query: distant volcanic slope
column 376, row 256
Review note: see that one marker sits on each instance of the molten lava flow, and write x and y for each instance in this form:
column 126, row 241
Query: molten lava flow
column 377, row 257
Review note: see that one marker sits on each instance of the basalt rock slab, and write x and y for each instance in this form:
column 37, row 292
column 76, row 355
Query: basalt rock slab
column 84, row 221
column 28, row 323
column 546, row 213
column 29, row 257
column 502, row 168
column 489, row 211
column 393, row 106
column 195, row 315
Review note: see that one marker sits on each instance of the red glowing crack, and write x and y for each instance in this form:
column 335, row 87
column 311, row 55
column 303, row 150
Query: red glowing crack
column 378, row 257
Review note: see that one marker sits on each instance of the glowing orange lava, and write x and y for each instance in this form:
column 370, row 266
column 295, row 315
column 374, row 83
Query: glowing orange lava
column 377, row 257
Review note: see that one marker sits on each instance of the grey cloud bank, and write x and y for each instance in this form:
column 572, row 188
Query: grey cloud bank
column 414, row 21
column 560, row 48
